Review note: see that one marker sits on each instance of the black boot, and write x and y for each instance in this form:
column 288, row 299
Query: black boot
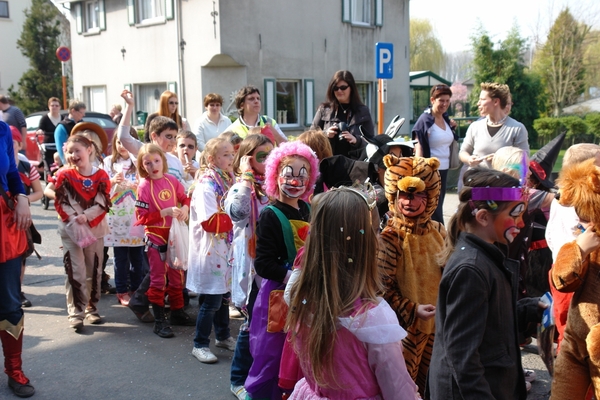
column 181, row 318
column 161, row 325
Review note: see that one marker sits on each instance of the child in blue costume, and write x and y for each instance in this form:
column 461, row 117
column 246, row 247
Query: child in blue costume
column 290, row 175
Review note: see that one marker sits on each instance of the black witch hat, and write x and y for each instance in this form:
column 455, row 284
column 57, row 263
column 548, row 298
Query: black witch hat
column 542, row 162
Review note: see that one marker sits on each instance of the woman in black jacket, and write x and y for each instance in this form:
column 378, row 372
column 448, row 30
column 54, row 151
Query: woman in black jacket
column 344, row 109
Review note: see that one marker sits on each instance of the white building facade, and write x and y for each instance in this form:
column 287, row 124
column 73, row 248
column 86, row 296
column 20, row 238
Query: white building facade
column 288, row 49
column 12, row 62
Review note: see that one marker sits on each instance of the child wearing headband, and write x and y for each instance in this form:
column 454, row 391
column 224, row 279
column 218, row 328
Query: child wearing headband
column 476, row 349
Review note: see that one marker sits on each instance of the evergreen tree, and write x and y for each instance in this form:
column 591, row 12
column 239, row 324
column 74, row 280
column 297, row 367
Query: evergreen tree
column 39, row 42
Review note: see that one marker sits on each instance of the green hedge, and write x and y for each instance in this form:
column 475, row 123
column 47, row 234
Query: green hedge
column 579, row 130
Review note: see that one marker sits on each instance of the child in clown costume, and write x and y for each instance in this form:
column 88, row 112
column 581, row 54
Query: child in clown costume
column 408, row 253
column 290, row 174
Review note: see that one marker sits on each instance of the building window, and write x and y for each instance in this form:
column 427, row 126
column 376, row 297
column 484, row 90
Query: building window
column 364, row 91
column 288, row 100
column 150, row 10
column 4, row 9
column 362, row 12
column 148, row 96
column 91, row 11
column 95, row 98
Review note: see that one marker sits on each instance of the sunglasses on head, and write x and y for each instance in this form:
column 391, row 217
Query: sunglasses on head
column 174, row 103
column 343, row 87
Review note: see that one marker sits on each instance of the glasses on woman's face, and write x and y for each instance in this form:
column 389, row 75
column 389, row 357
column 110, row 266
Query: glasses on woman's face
column 342, row 88
column 174, row 103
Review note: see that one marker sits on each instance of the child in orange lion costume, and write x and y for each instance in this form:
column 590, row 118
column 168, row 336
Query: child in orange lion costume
column 577, row 269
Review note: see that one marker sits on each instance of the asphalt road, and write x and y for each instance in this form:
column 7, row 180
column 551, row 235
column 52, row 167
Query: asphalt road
column 122, row 358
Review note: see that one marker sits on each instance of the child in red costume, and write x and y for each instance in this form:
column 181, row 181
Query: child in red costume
column 82, row 198
column 159, row 195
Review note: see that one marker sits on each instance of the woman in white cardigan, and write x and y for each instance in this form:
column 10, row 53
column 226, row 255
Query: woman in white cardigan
column 212, row 123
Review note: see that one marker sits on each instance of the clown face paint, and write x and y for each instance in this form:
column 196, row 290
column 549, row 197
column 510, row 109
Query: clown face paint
column 411, row 205
column 509, row 222
column 293, row 178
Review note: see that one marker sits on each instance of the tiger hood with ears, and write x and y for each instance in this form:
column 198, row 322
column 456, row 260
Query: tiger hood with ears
column 408, row 252
column 413, row 175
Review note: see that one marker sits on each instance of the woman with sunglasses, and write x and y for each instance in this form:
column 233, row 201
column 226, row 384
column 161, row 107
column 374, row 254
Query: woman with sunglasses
column 434, row 132
column 343, row 116
column 168, row 106
column 46, row 127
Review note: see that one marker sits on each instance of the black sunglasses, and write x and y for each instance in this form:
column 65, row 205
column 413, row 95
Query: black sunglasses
column 343, row 87
column 174, row 102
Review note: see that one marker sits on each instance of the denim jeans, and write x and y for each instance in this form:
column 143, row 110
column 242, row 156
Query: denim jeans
column 213, row 311
column 242, row 359
column 10, row 291
column 128, row 267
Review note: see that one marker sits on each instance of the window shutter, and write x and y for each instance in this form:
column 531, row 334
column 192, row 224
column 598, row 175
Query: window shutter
column 269, row 98
column 309, row 101
column 378, row 12
column 169, row 9
column 346, row 4
column 78, row 17
column 101, row 16
column 172, row 87
column 131, row 16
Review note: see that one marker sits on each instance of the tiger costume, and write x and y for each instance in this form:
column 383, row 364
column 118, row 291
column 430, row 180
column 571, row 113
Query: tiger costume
column 407, row 256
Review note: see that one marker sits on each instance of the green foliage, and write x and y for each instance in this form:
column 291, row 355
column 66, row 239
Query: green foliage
column 576, row 129
column 425, row 49
column 560, row 62
column 547, row 128
column 38, row 42
column 505, row 65
column 593, row 122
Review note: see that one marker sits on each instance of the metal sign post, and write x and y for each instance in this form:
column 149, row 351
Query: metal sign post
column 64, row 54
column 384, row 69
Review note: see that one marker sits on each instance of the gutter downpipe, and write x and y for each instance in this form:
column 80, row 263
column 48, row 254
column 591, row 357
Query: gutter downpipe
column 180, row 50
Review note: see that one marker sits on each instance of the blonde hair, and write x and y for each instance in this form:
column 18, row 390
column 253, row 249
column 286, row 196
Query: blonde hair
column 339, row 267
column 150, row 148
column 318, row 142
column 580, row 152
column 498, row 91
column 211, row 149
column 509, row 159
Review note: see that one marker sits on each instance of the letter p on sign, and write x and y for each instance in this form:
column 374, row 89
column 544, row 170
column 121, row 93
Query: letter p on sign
column 384, row 60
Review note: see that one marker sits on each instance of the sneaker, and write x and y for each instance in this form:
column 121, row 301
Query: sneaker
column 239, row 392
column 75, row 323
column 530, row 375
column 527, row 386
column 25, row 301
column 234, row 312
column 228, row 343
column 94, row 319
column 123, row 298
column 204, row 355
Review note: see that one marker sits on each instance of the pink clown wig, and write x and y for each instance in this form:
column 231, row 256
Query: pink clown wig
column 295, row 148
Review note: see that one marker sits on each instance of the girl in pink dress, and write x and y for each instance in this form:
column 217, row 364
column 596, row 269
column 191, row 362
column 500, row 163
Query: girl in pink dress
column 347, row 339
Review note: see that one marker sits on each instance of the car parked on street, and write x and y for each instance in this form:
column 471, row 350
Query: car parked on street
column 33, row 122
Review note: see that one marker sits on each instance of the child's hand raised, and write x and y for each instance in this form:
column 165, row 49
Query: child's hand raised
column 425, row 311
column 245, row 163
column 128, row 97
column 588, row 241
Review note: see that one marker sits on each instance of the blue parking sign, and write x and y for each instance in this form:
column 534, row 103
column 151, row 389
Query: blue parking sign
column 384, row 60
